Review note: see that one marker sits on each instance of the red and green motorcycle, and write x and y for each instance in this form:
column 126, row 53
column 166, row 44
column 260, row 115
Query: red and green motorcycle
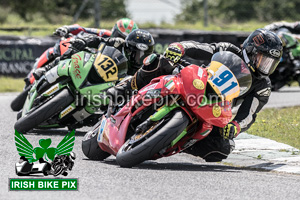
column 171, row 113
column 72, row 93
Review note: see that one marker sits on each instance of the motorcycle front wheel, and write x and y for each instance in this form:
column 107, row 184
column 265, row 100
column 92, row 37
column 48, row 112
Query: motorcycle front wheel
column 44, row 112
column 144, row 146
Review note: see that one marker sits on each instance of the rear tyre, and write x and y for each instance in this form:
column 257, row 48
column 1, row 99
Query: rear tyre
column 160, row 136
column 44, row 112
column 90, row 147
column 18, row 103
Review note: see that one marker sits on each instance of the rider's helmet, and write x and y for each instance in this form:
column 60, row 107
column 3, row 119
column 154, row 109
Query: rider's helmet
column 139, row 45
column 262, row 51
column 123, row 27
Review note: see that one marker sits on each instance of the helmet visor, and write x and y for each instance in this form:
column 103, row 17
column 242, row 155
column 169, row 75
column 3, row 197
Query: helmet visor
column 138, row 57
column 266, row 64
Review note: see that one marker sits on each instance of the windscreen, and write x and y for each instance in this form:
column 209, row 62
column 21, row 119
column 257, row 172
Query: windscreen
column 110, row 63
column 229, row 75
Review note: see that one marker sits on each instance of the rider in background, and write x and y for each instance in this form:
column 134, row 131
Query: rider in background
column 293, row 27
column 289, row 33
column 136, row 46
column 261, row 51
column 121, row 29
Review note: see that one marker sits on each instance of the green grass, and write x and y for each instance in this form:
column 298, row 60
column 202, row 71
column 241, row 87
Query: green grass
column 295, row 84
column 8, row 84
column 281, row 125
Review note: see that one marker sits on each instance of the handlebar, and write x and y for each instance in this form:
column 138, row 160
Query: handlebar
column 178, row 66
column 184, row 62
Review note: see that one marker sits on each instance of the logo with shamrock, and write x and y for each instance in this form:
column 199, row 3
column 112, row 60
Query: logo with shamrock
column 25, row 148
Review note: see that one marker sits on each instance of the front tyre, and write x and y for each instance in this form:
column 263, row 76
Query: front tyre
column 44, row 112
column 157, row 137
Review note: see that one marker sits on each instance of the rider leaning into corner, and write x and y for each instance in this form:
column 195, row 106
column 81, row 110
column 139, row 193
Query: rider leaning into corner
column 261, row 51
column 121, row 29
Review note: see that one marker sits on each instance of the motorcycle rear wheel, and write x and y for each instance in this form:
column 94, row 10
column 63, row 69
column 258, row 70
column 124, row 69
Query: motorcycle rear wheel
column 44, row 112
column 91, row 149
column 164, row 132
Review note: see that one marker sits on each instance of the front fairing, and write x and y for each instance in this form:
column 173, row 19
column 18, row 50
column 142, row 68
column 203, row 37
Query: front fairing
column 194, row 80
column 191, row 80
column 161, row 86
column 80, row 67
column 110, row 64
column 206, row 109
column 190, row 84
column 111, row 136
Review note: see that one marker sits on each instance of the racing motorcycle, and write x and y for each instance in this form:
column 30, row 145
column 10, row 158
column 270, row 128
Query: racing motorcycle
column 288, row 70
column 71, row 93
column 60, row 48
column 171, row 113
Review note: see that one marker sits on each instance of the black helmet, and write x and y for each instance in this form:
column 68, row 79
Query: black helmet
column 262, row 51
column 123, row 27
column 139, row 45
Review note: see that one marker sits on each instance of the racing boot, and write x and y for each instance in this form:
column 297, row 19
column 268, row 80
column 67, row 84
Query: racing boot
column 213, row 148
column 38, row 73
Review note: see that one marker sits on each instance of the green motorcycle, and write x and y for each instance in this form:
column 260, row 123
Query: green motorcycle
column 72, row 93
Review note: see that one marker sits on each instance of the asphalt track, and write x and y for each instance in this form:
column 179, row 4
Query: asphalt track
column 179, row 177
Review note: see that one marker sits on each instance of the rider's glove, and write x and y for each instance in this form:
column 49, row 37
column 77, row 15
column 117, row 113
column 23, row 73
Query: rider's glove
column 174, row 52
column 231, row 130
column 61, row 31
column 79, row 44
column 115, row 41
